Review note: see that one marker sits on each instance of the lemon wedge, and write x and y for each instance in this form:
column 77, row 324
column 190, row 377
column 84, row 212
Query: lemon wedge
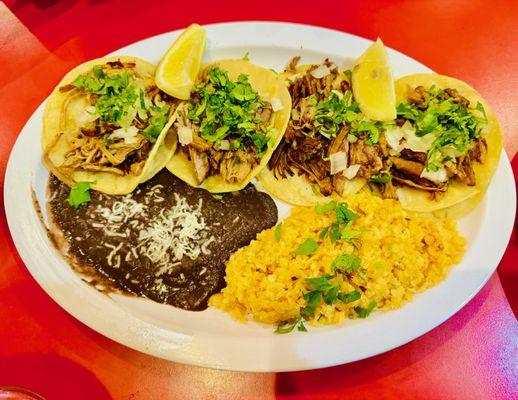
column 373, row 85
column 179, row 66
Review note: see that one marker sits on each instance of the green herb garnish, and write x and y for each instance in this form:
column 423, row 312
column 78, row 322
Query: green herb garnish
column 227, row 109
column 333, row 112
column 288, row 326
column 278, row 232
column 453, row 124
column 346, row 263
column 310, row 246
column 365, row 312
column 385, row 177
column 313, row 300
column 323, row 290
column 325, row 208
column 349, row 297
column 218, row 197
column 372, row 129
column 117, row 93
column 156, row 124
column 319, row 283
column 79, row 194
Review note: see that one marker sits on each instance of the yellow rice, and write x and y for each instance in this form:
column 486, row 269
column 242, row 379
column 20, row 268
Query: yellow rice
column 402, row 254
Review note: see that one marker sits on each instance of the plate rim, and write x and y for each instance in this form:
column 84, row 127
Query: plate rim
column 9, row 205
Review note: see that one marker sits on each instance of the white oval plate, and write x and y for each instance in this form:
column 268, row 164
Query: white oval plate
column 211, row 338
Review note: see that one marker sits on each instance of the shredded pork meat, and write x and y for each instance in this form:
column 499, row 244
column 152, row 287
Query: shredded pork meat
column 304, row 151
column 91, row 151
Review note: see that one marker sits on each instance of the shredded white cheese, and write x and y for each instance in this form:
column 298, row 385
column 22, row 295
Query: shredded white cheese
column 165, row 240
column 176, row 232
column 320, row 72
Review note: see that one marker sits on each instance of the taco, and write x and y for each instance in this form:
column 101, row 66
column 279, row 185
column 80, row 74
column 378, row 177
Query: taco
column 230, row 126
column 317, row 160
column 108, row 124
column 444, row 146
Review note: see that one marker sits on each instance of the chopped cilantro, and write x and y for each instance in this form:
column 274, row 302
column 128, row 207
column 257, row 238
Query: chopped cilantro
column 278, row 232
column 372, row 129
column 117, row 93
column 79, row 194
column 316, row 192
column 365, row 312
column 325, row 208
column 349, row 74
column 323, row 234
column 350, row 235
column 156, row 124
column 322, row 290
column 288, row 326
column 349, row 297
column 231, row 110
column 98, row 72
column 309, row 246
column 106, row 140
column 319, row 283
column 341, row 229
column 361, row 274
column 452, row 123
column 313, row 300
column 344, row 214
column 385, row 177
column 331, row 295
column 346, row 263
column 218, row 196
column 333, row 112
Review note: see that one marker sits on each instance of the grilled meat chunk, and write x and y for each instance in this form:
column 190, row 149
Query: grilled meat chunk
column 465, row 171
column 480, row 150
column 200, row 161
column 413, row 156
column 235, row 166
column 369, row 158
column 407, row 167
column 423, row 184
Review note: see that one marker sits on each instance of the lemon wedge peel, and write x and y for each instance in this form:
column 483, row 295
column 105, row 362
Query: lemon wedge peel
column 177, row 71
column 373, row 84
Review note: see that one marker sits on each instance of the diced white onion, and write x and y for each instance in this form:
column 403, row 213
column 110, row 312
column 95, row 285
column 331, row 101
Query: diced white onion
column 320, row 72
column 128, row 134
column 224, row 144
column 276, row 104
column 351, row 171
column 338, row 162
column 410, row 139
column 340, row 95
column 438, row 176
column 394, row 136
column 295, row 115
column 185, row 135
column 127, row 117
column 419, row 144
column 325, row 135
column 88, row 115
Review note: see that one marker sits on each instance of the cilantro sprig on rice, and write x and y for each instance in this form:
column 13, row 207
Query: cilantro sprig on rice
column 325, row 289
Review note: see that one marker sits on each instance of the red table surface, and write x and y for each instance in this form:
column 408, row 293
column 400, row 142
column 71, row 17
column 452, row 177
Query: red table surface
column 473, row 355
